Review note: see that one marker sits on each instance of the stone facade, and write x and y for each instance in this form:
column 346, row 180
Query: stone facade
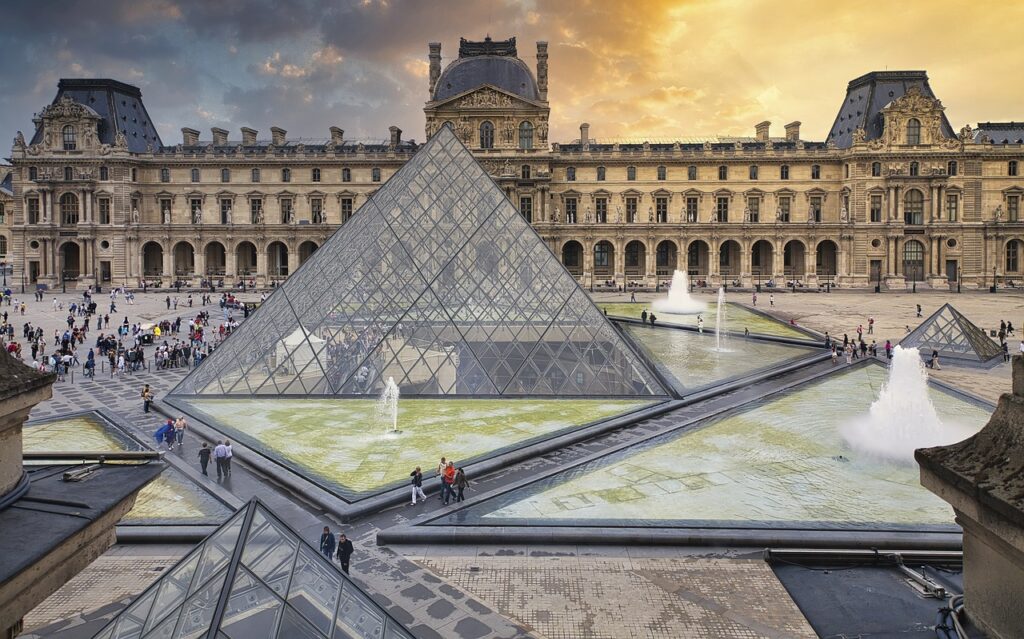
column 896, row 196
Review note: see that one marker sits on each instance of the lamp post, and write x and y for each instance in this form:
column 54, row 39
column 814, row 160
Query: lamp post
column 993, row 289
column 959, row 277
column 3, row 267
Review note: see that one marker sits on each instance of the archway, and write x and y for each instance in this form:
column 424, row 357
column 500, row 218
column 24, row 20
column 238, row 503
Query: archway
column 71, row 255
column 152, row 260
column 913, row 261
column 729, row 258
column 245, row 259
column 604, row 259
column 762, row 263
column 826, row 257
column 306, row 250
column 277, row 259
column 636, row 259
column 572, row 257
column 184, row 259
column 794, row 259
column 216, row 259
column 697, row 258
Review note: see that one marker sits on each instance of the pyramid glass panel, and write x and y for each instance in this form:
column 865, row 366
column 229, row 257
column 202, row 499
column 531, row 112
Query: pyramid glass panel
column 954, row 336
column 439, row 283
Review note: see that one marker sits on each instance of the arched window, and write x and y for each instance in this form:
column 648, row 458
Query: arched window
column 913, row 207
column 691, row 172
column 662, row 173
column 876, row 169
column 952, row 168
column 524, row 172
column 375, row 174
column 255, row 175
column 315, row 175
column 600, row 174
column 631, row 173
column 915, row 168
column 68, row 209
column 225, row 175
column 486, row 135
column 68, row 135
column 784, row 172
column 346, row 175
column 815, row 171
column 1013, row 256
column 69, row 174
column 723, row 172
column 913, row 131
column 913, row 261
column 570, row 174
column 195, row 175
column 286, row 175
column 104, row 173
column 525, row 135
column 165, row 175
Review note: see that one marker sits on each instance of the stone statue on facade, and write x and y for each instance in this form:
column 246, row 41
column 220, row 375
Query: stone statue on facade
column 966, row 133
column 19, row 140
column 509, row 130
column 556, row 215
column 860, row 135
column 650, row 214
column 291, row 216
column 589, row 216
column 507, row 168
column 135, row 215
column 167, row 217
column 778, row 215
column 844, row 215
column 227, row 216
column 618, row 215
column 998, row 213
column 746, row 214
column 810, row 214
column 120, row 141
column 197, row 215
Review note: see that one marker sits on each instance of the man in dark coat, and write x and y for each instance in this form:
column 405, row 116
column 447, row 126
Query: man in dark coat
column 345, row 550
column 327, row 543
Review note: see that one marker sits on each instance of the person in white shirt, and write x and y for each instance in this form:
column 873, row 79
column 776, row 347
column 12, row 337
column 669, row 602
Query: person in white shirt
column 227, row 458
column 220, row 452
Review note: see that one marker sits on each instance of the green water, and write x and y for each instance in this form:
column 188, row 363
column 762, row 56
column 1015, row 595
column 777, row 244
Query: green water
column 737, row 318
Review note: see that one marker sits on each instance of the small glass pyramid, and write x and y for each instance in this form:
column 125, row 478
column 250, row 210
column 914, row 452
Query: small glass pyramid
column 439, row 283
column 254, row 578
column 954, row 336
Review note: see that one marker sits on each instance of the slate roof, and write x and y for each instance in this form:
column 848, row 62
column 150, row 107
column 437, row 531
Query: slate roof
column 119, row 106
column 1001, row 132
column 311, row 145
column 867, row 95
column 7, row 185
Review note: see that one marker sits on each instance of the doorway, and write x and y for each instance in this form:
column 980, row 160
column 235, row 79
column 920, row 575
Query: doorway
column 951, row 270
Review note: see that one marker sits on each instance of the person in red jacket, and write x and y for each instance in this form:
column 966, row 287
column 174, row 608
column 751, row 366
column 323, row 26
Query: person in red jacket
column 449, row 481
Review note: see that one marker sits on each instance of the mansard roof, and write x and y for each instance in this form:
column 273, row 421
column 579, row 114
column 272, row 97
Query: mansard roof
column 7, row 185
column 867, row 95
column 1000, row 132
column 487, row 62
column 293, row 145
column 119, row 107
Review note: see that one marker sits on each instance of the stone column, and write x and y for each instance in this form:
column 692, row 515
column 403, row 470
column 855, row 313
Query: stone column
column 168, row 263
column 588, row 263
column 746, row 262
column 650, row 267
column 230, row 261
column 293, row 260
column 620, row 262
column 199, row 261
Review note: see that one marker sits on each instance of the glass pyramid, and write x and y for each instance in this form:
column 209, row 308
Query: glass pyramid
column 439, row 283
column 254, row 578
column 954, row 336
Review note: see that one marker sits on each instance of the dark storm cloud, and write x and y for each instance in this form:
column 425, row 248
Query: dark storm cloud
column 253, row 20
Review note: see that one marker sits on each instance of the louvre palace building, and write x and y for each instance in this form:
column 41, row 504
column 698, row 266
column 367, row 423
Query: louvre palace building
column 894, row 195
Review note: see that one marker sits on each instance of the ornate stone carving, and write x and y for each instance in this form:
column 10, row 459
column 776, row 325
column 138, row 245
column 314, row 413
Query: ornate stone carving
column 19, row 140
column 860, row 135
column 485, row 98
column 844, row 215
column 966, row 134
column 135, row 215
column 120, row 141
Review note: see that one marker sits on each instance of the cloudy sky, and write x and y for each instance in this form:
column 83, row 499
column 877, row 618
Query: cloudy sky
column 642, row 68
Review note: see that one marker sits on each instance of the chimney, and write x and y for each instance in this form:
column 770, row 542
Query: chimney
column 793, row 131
column 189, row 137
column 249, row 136
column 761, row 131
column 584, row 136
column 435, row 66
column 220, row 136
column 337, row 136
column 542, row 69
column 396, row 136
column 278, row 136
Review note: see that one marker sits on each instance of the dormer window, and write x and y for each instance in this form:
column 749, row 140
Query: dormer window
column 913, row 131
column 68, row 135
column 486, row 135
column 525, row 136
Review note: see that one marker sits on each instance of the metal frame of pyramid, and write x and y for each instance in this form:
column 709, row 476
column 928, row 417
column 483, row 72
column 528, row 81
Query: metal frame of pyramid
column 955, row 337
column 253, row 578
column 440, row 283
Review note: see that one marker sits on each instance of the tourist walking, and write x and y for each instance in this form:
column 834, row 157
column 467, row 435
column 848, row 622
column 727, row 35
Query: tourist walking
column 643, row 316
column 871, row 325
column 1006, row 352
column 147, row 396
column 204, row 457
column 632, row 296
column 219, row 453
column 449, row 480
column 754, row 299
column 919, row 310
column 327, row 543
column 169, row 435
column 888, row 350
column 771, row 299
column 441, row 467
column 461, row 483
column 700, row 323
column 179, row 430
column 835, row 355
column 653, row 317
column 345, row 551
column 417, row 485
column 228, row 454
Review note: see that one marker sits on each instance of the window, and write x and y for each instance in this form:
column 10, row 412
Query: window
column 316, row 210
column 915, row 169
column 69, row 173
column 165, row 175
column 631, row 173
column 784, row 172
column 225, row 175
column 661, row 210
column 486, row 135
column 194, row 175
column 68, row 135
column 104, row 174
column 135, row 175
column 815, row 171
column 691, row 209
column 165, row 209
column 752, row 172
column 876, row 169
column 286, row 175
column 754, row 209
column 876, row 207
column 913, row 131
column 816, row 202
column 3, row 215
column 691, row 172
column 255, row 175
column 524, row 172
column 3, row 246
column 913, row 207
column 256, row 211
column 33, row 210
column 1012, row 256
column 952, row 207
column 1013, row 208
column 662, row 173
column 286, row 210
column 785, row 204
column 602, row 254
column 525, row 136
column 570, row 211
column 600, row 174
column 1011, row 168
column 601, row 210
column 33, row 173
column 722, row 209
column 570, row 174
column 375, row 174
column 526, row 207
column 225, row 210
column 846, row 170
column 346, row 209
column 952, row 168
column 631, row 206
column 346, row 175
column 723, row 173
column 315, row 175
column 103, row 204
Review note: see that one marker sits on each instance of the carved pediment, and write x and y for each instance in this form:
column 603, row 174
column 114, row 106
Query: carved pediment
column 486, row 97
column 67, row 109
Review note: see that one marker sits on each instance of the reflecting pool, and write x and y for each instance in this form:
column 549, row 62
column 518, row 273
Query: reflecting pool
column 737, row 318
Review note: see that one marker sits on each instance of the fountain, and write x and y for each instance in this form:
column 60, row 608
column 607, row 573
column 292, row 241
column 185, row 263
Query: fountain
column 720, row 322
column 387, row 406
column 903, row 417
column 679, row 300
